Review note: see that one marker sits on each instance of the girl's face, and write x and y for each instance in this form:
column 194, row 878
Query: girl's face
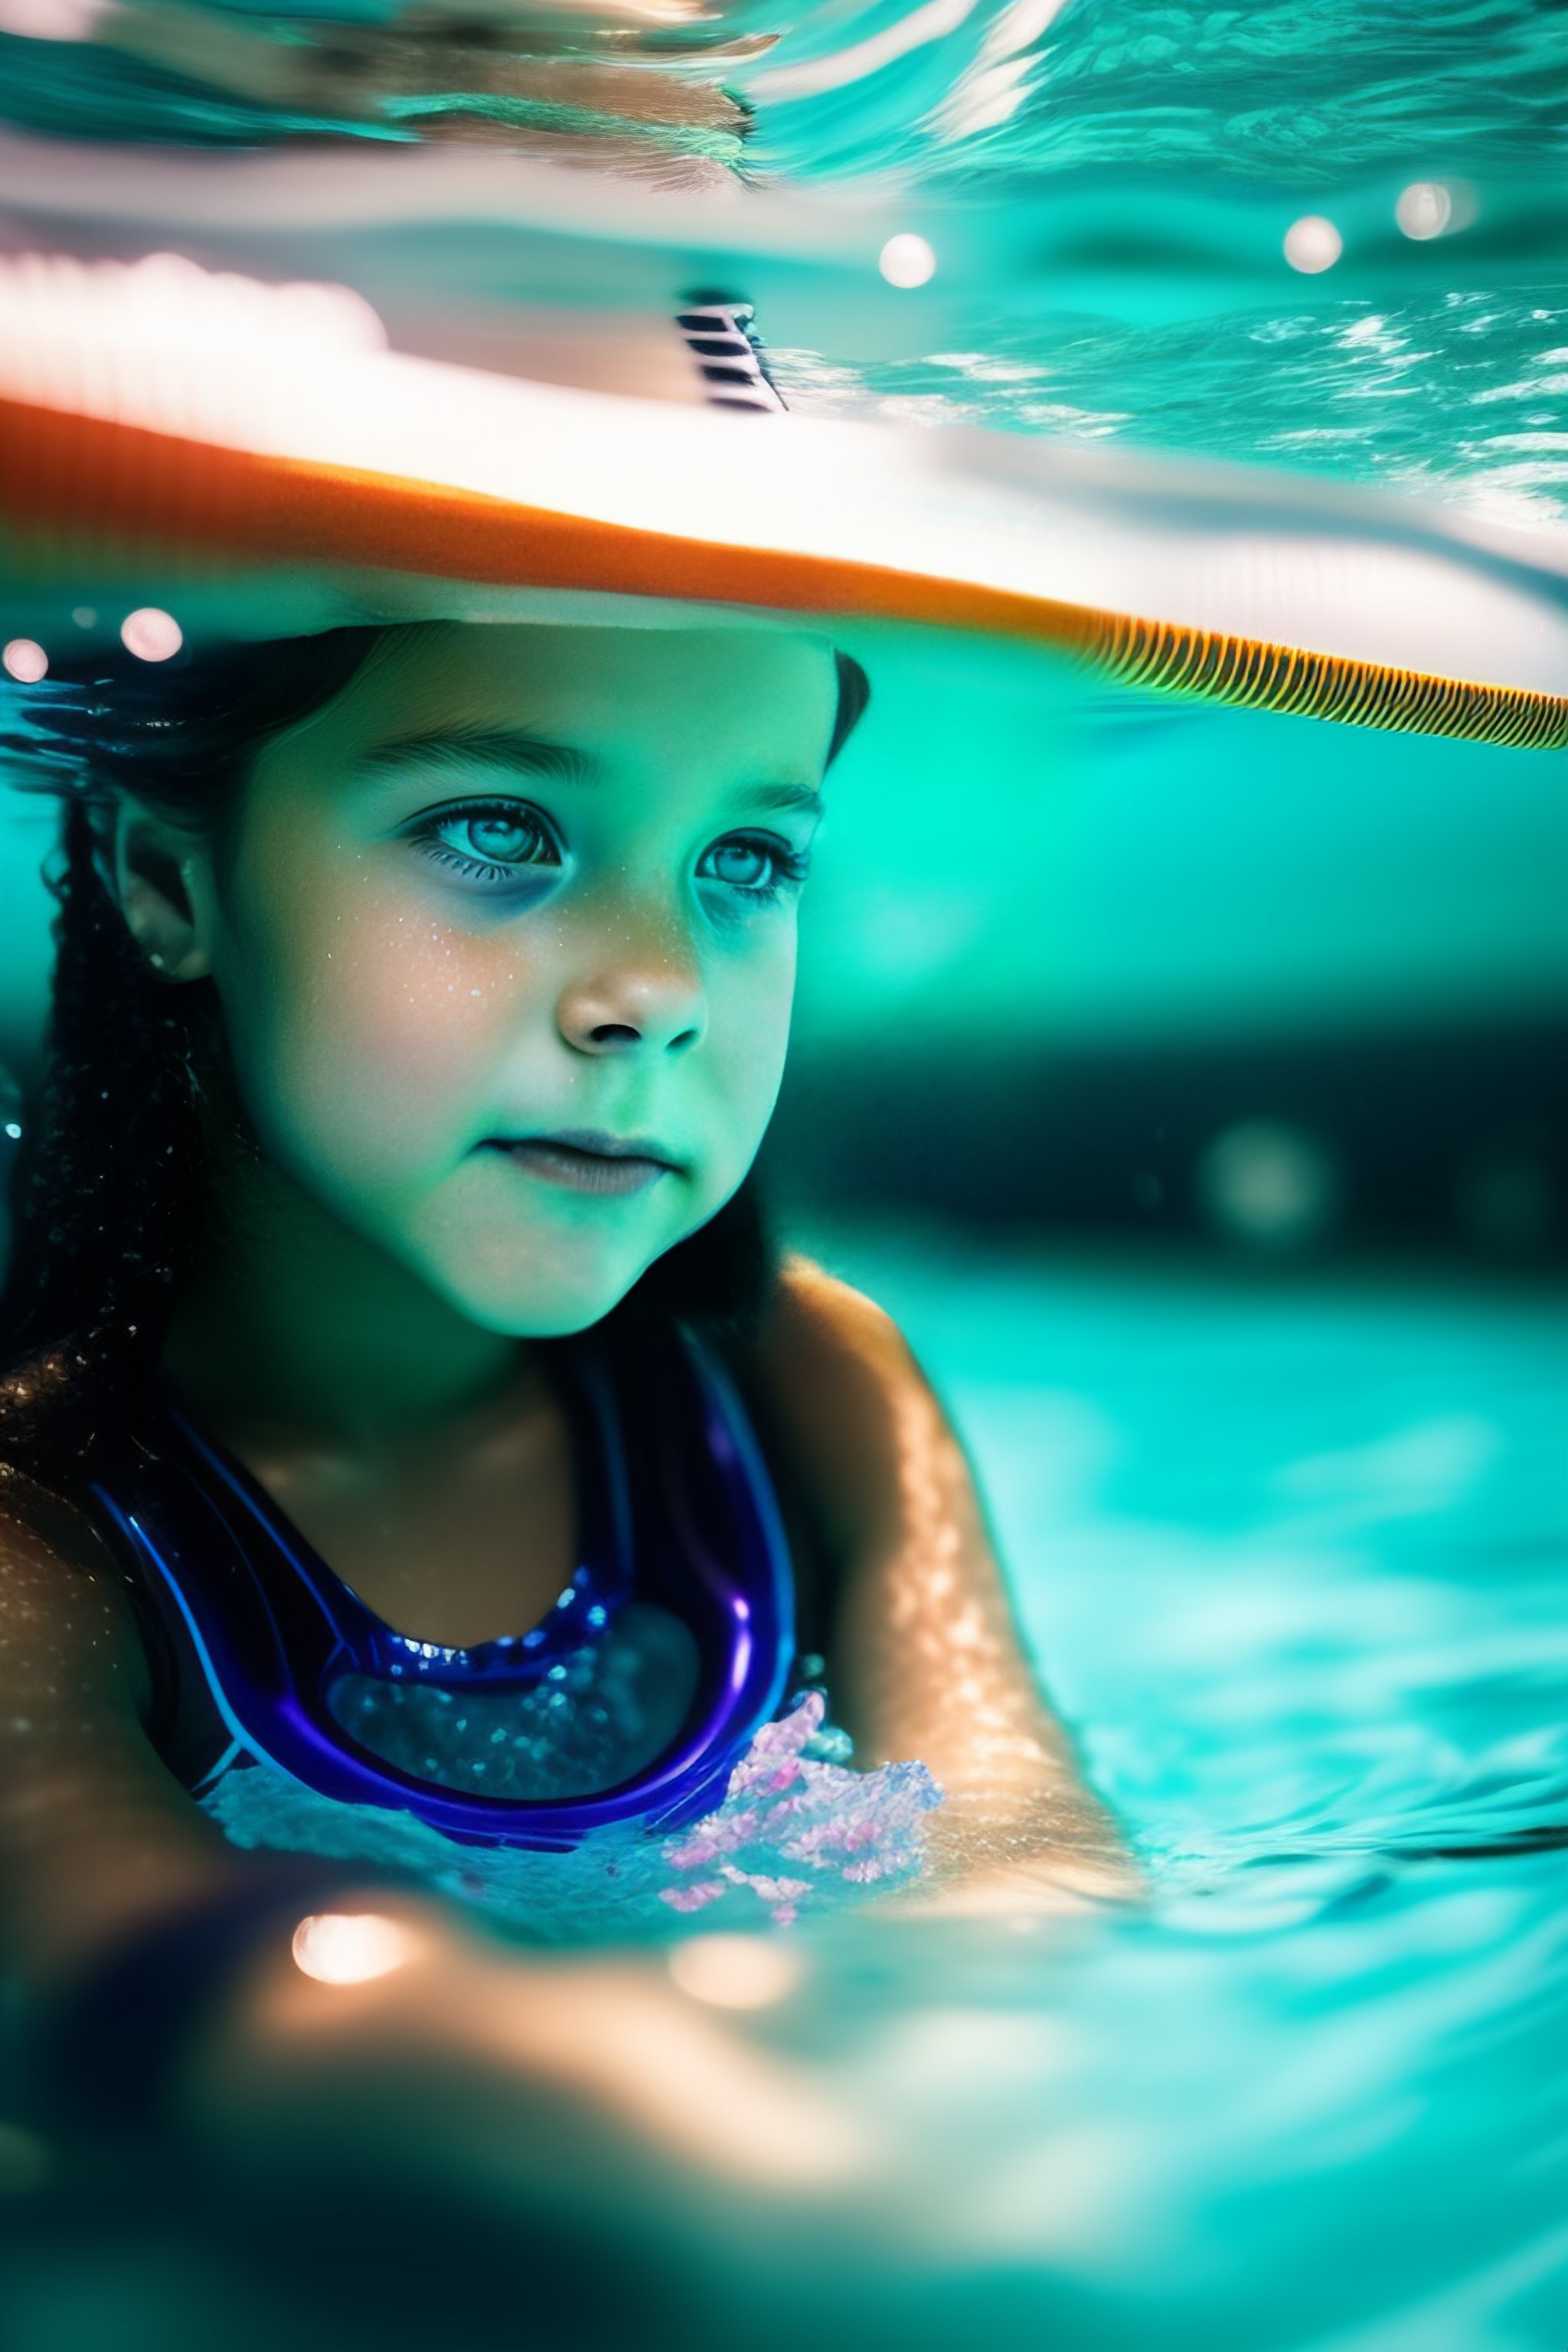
column 505, row 943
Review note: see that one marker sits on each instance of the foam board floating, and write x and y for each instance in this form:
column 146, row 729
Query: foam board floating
column 263, row 446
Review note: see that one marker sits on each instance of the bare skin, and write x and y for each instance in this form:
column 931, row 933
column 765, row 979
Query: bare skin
column 543, row 2080
column 358, row 1335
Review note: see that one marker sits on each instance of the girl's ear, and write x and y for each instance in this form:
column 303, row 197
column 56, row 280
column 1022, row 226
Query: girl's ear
column 154, row 866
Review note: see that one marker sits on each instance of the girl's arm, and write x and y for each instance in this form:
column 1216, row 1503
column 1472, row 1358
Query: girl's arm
column 926, row 1657
column 532, row 2081
column 95, row 1833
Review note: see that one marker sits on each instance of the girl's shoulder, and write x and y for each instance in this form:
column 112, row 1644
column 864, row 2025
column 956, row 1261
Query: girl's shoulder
column 840, row 1380
column 815, row 1316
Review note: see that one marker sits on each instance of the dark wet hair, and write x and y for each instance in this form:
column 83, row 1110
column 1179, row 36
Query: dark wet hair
column 108, row 1191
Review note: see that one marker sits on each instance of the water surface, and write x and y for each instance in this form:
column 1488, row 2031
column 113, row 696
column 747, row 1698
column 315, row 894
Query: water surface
column 1291, row 1555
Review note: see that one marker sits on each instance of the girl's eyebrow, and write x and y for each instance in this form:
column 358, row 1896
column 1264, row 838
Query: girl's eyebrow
column 534, row 755
column 803, row 797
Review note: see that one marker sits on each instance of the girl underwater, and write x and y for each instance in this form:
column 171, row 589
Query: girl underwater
column 402, row 1407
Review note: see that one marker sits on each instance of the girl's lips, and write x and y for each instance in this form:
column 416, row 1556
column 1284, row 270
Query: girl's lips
column 588, row 1163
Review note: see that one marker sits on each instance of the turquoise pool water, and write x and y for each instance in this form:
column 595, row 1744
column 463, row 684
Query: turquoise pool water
column 1291, row 1555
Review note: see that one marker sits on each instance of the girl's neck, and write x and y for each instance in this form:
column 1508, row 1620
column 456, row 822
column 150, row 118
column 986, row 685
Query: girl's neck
column 292, row 1326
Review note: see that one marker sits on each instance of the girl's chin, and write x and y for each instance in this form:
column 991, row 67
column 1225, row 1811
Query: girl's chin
column 551, row 1318
column 540, row 1260
column 571, row 1296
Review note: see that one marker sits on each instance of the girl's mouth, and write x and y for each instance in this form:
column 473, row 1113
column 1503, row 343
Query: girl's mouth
column 584, row 1159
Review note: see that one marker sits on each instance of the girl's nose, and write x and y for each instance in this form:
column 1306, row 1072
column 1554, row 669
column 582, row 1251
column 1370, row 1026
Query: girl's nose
column 646, row 997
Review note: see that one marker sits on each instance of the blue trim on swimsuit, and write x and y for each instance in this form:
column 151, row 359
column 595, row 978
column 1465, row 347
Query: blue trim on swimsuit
column 675, row 1507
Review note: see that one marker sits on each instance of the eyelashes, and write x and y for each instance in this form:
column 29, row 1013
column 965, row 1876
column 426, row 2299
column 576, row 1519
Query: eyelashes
column 495, row 842
column 505, row 839
column 735, row 862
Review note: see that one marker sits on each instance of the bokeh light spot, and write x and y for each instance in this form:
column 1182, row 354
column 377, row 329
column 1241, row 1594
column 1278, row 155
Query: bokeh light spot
column 25, row 661
column 51, row 20
column 151, row 635
column 735, row 1971
column 907, row 260
column 1425, row 209
column 1268, row 1186
column 344, row 1947
column 1312, row 244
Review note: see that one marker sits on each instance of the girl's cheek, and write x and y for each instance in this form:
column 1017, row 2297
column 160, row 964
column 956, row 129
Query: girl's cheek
column 385, row 1040
column 749, row 1025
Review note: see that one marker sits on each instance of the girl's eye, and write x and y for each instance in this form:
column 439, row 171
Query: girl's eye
column 489, row 841
column 757, row 865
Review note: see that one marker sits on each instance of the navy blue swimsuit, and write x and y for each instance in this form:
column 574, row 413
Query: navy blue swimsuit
column 667, row 1650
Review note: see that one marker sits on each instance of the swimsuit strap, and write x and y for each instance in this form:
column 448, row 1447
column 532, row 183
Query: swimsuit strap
column 675, row 1507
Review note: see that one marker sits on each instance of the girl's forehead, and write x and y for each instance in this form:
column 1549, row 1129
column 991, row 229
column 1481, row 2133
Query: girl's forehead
column 741, row 693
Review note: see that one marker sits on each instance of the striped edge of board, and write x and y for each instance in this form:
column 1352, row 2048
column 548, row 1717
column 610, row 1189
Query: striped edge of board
column 77, row 491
